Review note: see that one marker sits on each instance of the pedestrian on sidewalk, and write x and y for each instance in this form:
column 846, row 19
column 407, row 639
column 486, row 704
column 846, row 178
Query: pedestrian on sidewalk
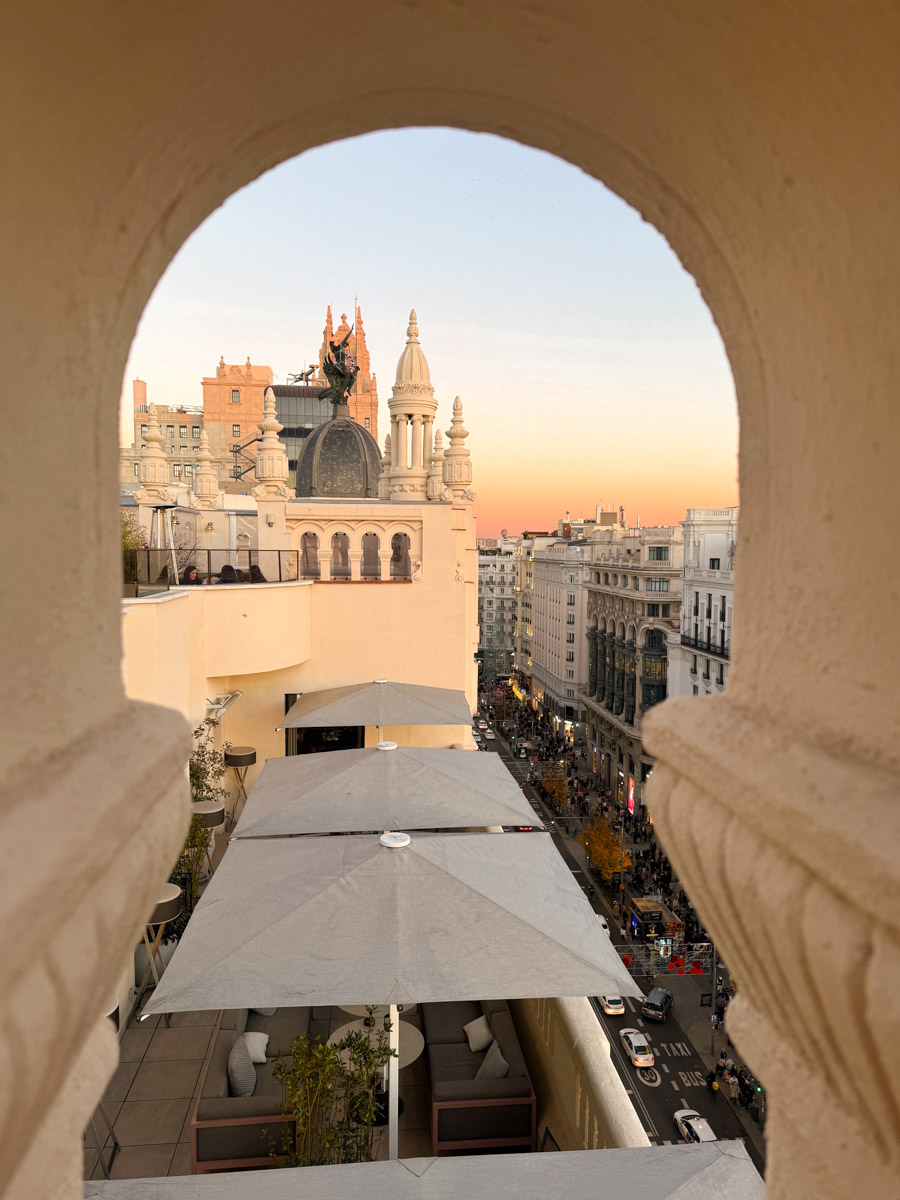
column 720, row 1065
column 734, row 1087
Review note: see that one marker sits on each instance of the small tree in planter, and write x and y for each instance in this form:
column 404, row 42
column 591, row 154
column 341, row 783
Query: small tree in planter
column 206, row 768
column 334, row 1094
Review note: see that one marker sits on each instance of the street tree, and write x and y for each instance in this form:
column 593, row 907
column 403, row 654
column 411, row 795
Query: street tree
column 606, row 852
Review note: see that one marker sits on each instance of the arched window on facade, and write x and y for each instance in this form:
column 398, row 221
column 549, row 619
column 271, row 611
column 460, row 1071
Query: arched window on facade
column 309, row 556
column 340, row 556
column 400, row 556
column 370, row 564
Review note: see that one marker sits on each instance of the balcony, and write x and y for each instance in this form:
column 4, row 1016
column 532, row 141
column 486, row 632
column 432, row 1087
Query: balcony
column 707, row 647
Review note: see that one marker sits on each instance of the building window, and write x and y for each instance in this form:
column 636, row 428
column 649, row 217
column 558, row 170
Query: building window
column 137, row 469
column 570, row 656
column 182, row 431
column 236, row 431
column 694, row 664
column 657, row 585
column 696, row 690
column 570, row 598
column 570, row 674
column 170, row 431
column 615, row 581
column 570, row 693
column 637, row 583
column 722, row 609
column 652, row 610
column 570, row 637
column 367, row 422
column 664, row 609
column 721, row 680
column 188, row 470
column 143, row 431
column 176, row 471
column 658, row 553
column 235, row 395
column 570, row 618
column 195, row 431
column 606, row 577
column 184, row 449
column 714, row 564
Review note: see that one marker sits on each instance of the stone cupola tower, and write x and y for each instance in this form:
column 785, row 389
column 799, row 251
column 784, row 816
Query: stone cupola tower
column 413, row 407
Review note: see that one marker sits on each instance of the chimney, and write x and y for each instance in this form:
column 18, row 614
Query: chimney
column 139, row 395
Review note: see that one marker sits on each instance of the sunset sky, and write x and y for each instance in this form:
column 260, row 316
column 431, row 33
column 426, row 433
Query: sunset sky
column 589, row 368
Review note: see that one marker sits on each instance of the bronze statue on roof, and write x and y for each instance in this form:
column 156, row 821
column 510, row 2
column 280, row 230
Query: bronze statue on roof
column 338, row 372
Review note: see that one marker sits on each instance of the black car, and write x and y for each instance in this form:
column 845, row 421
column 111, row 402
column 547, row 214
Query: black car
column 657, row 1004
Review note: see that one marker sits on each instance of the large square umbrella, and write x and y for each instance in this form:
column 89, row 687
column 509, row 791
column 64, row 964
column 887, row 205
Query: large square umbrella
column 379, row 702
column 390, row 920
column 706, row 1171
column 387, row 787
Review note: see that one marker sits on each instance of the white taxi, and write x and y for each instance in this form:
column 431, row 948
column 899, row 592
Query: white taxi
column 613, row 1006
column 637, row 1047
column 693, row 1127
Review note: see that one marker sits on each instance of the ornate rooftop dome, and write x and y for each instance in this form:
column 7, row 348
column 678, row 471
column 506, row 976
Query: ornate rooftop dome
column 413, row 365
column 339, row 458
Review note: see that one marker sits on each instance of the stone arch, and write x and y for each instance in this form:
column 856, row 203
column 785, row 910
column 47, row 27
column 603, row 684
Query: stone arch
column 401, row 567
column 309, row 555
column 370, row 561
column 339, row 543
column 808, row 186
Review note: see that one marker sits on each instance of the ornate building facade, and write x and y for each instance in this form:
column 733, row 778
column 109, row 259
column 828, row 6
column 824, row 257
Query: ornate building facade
column 633, row 606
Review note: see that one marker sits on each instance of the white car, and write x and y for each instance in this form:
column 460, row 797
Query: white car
column 613, row 1006
column 481, row 723
column 476, row 735
column 489, row 736
column 693, row 1127
column 636, row 1047
column 604, row 925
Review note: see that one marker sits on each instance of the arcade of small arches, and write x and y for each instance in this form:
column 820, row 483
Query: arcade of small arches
column 619, row 654
column 364, row 557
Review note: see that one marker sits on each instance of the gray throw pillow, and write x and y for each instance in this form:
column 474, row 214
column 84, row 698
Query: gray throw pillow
column 494, row 1066
column 241, row 1071
column 265, row 1012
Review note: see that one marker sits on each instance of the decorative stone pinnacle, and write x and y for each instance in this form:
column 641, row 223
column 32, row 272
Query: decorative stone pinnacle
column 412, row 332
column 269, row 426
column 271, row 458
column 206, row 481
column 457, row 431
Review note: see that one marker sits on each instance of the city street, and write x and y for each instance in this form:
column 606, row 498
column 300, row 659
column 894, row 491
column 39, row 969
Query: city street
column 678, row 1079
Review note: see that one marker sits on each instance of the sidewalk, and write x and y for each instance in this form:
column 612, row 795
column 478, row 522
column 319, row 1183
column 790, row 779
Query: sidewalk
column 698, row 1030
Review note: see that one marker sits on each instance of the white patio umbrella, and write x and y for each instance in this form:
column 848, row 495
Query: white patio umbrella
column 707, row 1171
column 387, row 787
column 391, row 920
column 379, row 702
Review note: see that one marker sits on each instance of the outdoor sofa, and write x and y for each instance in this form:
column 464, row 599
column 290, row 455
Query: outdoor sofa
column 230, row 1131
column 468, row 1112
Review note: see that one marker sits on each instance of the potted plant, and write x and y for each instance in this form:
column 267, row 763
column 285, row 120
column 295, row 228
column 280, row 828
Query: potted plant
column 334, row 1094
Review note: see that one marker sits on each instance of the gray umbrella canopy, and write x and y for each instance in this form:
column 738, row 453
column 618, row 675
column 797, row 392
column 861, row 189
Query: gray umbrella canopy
column 708, row 1171
column 379, row 702
column 349, row 920
column 392, row 788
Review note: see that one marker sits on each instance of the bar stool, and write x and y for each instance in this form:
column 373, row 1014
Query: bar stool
column 240, row 759
column 168, row 907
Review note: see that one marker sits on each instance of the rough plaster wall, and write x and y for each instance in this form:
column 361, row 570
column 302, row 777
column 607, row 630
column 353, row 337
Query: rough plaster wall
column 760, row 139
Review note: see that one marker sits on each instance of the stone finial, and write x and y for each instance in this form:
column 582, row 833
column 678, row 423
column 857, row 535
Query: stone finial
column 154, row 466
column 412, row 330
column 384, row 479
column 271, row 468
column 457, row 469
column 206, row 481
column 435, row 486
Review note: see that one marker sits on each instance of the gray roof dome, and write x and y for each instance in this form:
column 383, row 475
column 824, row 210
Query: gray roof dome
column 339, row 458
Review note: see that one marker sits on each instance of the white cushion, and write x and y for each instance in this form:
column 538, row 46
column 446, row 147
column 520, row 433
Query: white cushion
column 479, row 1034
column 256, row 1044
column 241, row 1071
column 494, row 1066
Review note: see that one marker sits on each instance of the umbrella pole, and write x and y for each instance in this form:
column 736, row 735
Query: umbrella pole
column 394, row 1086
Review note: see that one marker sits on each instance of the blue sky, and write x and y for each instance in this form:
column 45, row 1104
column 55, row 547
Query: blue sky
column 590, row 368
